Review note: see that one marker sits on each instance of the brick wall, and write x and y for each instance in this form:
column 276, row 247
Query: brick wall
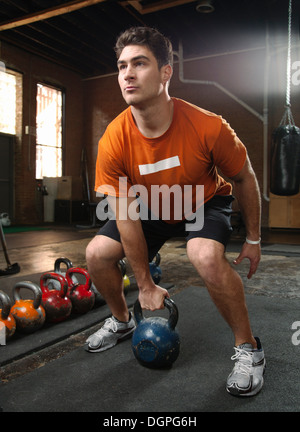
column 28, row 201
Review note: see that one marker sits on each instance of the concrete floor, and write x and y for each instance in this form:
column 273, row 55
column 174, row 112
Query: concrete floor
column 278, row 274
column 278, row 279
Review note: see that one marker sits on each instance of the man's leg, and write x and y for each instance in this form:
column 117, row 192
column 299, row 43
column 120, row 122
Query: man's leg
column 224, row 285
column 102, row 256
column 226, row 289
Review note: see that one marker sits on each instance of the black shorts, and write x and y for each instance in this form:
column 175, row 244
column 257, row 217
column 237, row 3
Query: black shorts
column 217, row 226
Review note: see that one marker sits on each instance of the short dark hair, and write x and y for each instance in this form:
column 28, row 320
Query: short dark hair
column 158, row 44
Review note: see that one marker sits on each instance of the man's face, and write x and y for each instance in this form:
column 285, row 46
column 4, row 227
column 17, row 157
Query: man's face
column 139, row 78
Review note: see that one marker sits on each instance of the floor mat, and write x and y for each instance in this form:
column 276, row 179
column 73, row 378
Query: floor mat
column 114, row 382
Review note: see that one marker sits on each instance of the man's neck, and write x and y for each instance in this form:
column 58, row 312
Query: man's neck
column 153, row 120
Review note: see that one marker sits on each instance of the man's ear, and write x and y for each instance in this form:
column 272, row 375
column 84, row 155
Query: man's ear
column 167, row 72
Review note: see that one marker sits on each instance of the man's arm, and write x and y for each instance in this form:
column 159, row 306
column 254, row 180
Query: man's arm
column 247, row 192
column 151, row 296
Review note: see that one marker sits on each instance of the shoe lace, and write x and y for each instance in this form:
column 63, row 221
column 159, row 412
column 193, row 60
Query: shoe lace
column 109, row 325
column 244, row 362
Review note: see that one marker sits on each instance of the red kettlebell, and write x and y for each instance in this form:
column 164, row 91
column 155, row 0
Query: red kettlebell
column 57, row 306
column 29, row 314
column 5, row 315
column 81, row 295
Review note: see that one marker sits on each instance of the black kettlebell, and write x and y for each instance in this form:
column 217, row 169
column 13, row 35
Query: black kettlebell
column 54, row 283
column 155, row 342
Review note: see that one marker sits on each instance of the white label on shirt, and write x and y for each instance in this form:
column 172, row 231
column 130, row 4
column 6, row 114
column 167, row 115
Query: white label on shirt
column 162, row 165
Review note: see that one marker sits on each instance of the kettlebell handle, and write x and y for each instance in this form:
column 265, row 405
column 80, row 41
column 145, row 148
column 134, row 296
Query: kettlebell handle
column 6, row 305
column 31, row 286
column 79, row 270
column 60, row 261
column 169, row 304
column 123, row 267
column 157, row 259
column 63, row 283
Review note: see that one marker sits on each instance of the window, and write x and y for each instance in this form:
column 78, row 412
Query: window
column 48, row 132
column 10, row 101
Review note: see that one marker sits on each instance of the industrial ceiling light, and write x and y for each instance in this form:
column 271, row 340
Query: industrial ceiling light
column 205, row 6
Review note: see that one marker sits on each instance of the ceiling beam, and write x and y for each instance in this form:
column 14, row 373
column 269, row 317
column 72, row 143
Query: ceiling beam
column 48, row 13
column 159, row 5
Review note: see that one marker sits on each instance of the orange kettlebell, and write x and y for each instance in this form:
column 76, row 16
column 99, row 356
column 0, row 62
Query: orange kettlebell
column 5, row 315
column 29, row 314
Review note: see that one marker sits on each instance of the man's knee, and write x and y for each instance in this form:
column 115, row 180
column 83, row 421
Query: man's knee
column 207, row 256
column 93, row 250
column 103, row 250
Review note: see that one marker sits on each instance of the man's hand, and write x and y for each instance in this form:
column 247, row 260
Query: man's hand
column 153, row 298
column 253, row 253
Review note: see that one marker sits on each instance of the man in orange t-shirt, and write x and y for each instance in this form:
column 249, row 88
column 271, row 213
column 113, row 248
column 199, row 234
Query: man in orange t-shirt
column 157, row 170
column 203, row 140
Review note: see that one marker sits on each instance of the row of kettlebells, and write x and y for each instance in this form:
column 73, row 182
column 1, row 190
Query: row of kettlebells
column 49, row 304
column 59, row 294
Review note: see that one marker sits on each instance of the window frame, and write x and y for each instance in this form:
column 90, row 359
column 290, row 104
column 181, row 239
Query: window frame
column 63, row 109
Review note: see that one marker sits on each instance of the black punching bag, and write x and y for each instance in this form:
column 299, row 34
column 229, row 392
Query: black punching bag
column 285, row 160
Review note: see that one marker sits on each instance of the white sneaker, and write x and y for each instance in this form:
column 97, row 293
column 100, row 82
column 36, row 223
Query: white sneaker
column 246, row 378
column 112, row 332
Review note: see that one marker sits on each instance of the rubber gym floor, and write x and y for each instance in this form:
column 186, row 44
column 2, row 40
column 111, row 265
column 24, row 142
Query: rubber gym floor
column 49, row 371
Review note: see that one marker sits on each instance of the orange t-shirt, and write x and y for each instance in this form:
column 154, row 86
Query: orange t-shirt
column 188, row 153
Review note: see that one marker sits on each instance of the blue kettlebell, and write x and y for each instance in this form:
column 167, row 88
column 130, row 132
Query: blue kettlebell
column 155, row 270
column 155, row 342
